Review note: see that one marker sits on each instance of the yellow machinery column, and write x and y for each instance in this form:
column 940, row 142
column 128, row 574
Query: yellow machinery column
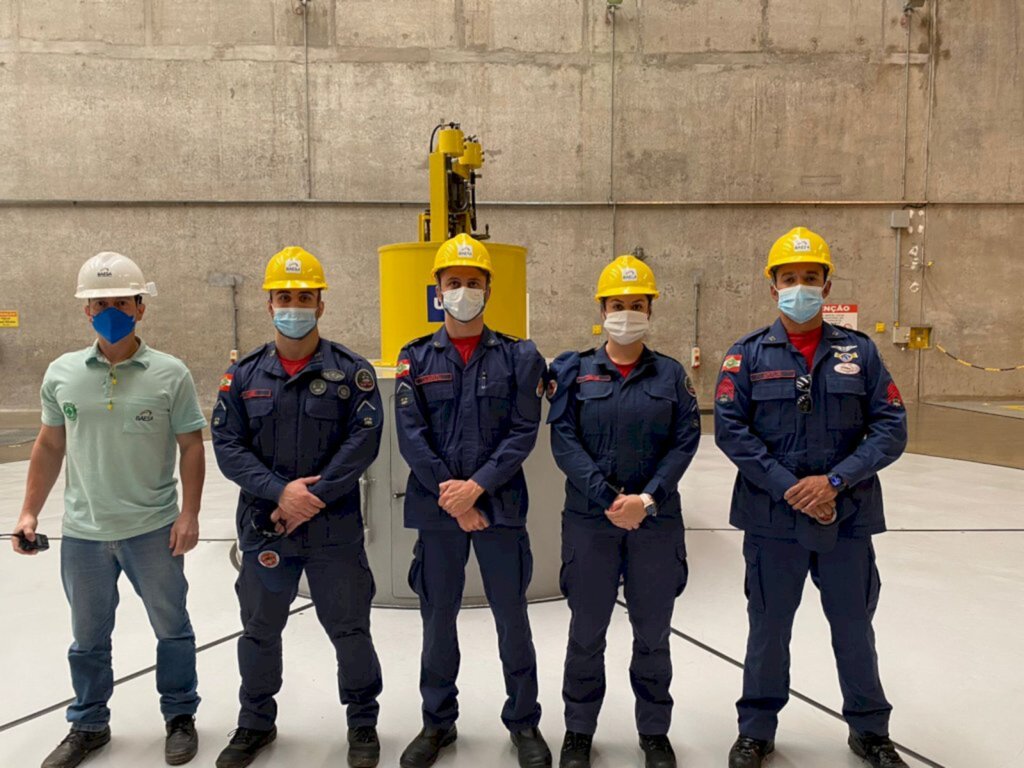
column 408, row 307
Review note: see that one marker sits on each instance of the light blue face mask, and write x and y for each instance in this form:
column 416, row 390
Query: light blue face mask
column 294, row 323
column 801, row 302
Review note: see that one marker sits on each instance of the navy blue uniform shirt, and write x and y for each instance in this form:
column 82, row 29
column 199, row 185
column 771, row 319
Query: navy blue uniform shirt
column 468, row 421
column 270, row 428
column 856, row 425
column 611, row 435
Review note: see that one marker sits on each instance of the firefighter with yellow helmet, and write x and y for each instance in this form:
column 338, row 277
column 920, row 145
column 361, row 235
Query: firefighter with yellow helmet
column 296, row 424
column 808, row 414
column 467, row 410
column 624, row 428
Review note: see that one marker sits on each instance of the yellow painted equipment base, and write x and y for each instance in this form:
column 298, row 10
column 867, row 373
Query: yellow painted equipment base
column 408, row 308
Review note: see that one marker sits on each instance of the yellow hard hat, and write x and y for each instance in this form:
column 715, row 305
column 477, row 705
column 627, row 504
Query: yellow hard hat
column 626, row 276
column 797, row 246
column 293, row 269
column 462, row 251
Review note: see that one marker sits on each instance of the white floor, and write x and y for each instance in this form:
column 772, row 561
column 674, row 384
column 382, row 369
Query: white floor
column 949, row 632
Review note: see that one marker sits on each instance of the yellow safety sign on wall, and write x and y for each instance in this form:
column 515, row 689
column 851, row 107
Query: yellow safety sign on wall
column 8, row 318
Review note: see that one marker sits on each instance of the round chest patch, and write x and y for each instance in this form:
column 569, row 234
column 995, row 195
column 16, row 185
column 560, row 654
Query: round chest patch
column 848, row 368
column 317, row 387
column 269, row 559
column 344, row 392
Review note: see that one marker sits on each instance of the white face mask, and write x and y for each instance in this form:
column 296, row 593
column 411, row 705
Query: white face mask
column 627, row 326
column 464, row 304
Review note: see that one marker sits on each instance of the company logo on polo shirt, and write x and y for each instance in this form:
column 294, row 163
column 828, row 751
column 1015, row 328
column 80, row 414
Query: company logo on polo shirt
column 146, row 415
column 70, row 411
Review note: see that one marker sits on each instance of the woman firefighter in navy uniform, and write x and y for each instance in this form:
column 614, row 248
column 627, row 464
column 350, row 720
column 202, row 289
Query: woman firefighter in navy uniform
column 624, row 428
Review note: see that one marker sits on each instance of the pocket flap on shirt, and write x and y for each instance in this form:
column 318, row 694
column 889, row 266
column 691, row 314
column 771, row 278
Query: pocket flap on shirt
column 258, row 406
column 323, row 408
column 844, row 385
column 494, row 388
column 773, row 390
column 438, row 390
column 662, row 390
column 592, row 390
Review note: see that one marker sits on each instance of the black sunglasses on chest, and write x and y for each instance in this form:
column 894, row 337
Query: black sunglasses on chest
column 804, row 404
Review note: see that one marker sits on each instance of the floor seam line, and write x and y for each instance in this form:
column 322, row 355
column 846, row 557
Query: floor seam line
column 132, row 676
column 794, row 693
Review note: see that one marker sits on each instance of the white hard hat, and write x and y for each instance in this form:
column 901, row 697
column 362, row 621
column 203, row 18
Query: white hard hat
column 109, row 275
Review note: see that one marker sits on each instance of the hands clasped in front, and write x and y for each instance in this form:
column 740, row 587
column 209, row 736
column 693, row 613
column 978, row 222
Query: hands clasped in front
column 297, row 505
column 458, row 498
column 815, row 497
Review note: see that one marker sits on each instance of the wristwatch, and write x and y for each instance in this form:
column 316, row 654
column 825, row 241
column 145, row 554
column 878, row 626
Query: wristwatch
column 837, row 482
column 650, row 508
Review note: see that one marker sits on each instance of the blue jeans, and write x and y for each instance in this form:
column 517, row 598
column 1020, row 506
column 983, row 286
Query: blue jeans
column 89, row 571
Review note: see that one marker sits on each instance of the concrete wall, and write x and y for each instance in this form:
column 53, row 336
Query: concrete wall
column 176, row 131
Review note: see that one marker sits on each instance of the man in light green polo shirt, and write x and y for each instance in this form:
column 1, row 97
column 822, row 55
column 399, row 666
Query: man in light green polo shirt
column 118, row 412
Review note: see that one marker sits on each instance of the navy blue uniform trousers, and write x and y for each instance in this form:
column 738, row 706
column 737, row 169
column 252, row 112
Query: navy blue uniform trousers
column 341, row 586
column 650, row 562
column 847, row 578
column 438, row 576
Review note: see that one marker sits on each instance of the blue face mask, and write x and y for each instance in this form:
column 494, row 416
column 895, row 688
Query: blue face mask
column 294, row 323
column 113, row 324
column 801, row 302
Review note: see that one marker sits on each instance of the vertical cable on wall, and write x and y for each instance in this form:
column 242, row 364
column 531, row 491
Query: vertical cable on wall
column 303, row 9
column 611, row 134
column 908, row 20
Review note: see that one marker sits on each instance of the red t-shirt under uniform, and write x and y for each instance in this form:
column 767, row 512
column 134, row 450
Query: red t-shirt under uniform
column 292, row 367
column 807, row 344
column 466, row 346
column 626, row 369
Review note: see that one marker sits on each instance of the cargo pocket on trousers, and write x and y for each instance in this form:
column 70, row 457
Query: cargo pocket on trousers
column 568, row 554
column 752, row 587
column 364, row 563
column 525, row 564
column 874, row 583
column 684, row 569
column 416, row 570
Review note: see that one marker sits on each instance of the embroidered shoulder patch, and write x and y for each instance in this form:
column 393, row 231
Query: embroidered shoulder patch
column 732, row 363
column 726, row 391
column 893, row 396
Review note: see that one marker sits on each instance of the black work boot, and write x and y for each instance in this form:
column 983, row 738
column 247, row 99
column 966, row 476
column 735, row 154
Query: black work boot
column 575, row 750
column 74, row 748
column 657, row 752
column 363, row 747
column 877, row 750
column 749, row 753
column 245, row 744
column 532, row 749
column 424, row 749
column 182, row 740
